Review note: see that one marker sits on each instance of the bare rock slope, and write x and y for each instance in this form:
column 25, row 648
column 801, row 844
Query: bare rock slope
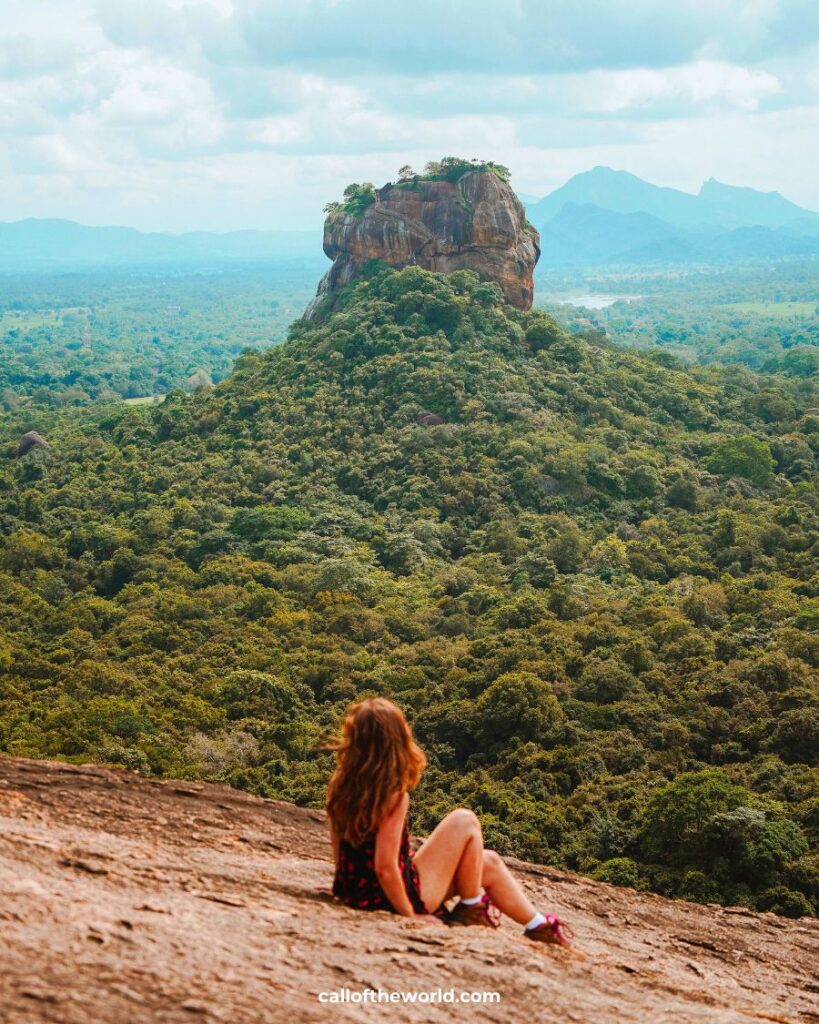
column 474, row 223
column 128, row 900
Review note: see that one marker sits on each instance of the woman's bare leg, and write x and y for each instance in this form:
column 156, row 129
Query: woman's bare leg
column 450, row 861
column 504, row 889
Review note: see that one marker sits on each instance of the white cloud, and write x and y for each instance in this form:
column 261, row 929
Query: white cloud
column 163, row 108
column 704, row 82
column 186, row 113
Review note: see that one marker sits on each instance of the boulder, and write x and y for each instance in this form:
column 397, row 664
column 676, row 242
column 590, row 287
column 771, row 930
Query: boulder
column 428, row 419
column 199, row 379
column 28, row 441
column 475, row 222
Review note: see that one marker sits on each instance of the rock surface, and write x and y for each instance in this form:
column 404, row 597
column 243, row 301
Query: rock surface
column 28, row 441
column 475, row 223
column 429, row 419
column 132, row 901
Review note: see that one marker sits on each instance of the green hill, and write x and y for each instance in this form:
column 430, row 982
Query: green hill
column 590, row 575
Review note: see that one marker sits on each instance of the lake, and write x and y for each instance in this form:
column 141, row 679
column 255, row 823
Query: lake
column 595, row 301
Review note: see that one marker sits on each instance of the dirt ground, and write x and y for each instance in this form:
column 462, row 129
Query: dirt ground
column 132, row 901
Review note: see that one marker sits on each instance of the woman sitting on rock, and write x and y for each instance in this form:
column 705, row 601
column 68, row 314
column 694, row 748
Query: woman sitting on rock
column 367, row 803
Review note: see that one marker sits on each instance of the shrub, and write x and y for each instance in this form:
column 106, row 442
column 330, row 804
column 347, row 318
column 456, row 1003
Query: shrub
column 782, row 900
column 214, row 756
column 619, row 871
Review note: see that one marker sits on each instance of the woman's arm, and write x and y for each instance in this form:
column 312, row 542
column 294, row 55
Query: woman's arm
column 335, row 843
column 387, row 847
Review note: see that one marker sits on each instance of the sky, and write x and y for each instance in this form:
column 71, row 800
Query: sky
column 222, row 114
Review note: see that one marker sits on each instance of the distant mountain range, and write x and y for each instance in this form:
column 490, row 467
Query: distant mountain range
column 600, row 216
column 38, row 244
column 607, row 216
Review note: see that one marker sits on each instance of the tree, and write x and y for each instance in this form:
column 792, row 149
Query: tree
column 27, row 549
column 517, row 705
column 704, row 820
column 795, row 736
column 744, row 456
column 357, row 198
column 605, row 682
column 643, row 482
column 677, row 817
column 543, row 331
column 682, row 493
column 270, row 522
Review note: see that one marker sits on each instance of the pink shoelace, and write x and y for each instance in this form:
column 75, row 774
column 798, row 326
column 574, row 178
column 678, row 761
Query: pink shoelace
column 491, row 914
column 560, row 930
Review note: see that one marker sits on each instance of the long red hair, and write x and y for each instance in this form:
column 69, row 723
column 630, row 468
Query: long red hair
column 377, row 760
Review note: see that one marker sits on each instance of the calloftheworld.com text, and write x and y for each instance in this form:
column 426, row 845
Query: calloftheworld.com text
column 385, row 996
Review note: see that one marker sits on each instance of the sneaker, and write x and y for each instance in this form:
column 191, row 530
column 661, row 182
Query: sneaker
column 552, row 931
column 483, row 915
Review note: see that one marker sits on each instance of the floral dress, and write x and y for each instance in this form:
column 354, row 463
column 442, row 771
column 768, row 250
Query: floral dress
column 356, row 882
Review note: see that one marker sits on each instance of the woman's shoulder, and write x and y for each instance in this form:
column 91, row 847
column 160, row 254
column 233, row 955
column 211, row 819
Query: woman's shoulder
column 397, row 803
column 398, row 800
column 394, row 814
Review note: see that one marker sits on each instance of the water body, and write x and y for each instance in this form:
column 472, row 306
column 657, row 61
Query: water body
column 596, row 301
column 143, row 400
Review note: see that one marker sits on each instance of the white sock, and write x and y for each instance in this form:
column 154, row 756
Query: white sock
column 472, row 901
column 538, row 919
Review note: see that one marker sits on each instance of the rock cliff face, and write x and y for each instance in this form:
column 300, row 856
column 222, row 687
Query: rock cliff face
column 126, row 900
column 475, row 223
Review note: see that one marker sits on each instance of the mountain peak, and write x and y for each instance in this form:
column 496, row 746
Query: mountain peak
column 603, row 174
column 713, row 186
column 603, row 171
column 716, row 208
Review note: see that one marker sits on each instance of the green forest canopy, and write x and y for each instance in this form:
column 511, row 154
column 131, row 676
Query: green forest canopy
column 594, row 587
column 757, row 313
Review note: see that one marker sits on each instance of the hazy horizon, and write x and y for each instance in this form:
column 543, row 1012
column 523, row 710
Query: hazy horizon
column 232, row 114
column 316, row 227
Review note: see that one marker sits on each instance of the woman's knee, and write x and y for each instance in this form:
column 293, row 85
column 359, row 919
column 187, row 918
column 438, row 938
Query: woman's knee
column 465, row 820
column 492, row 864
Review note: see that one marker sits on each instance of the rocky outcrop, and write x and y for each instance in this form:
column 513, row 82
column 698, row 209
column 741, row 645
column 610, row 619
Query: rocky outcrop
column 475, row 222
column 126, row 900
column 429, row 419
column 28, row 441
